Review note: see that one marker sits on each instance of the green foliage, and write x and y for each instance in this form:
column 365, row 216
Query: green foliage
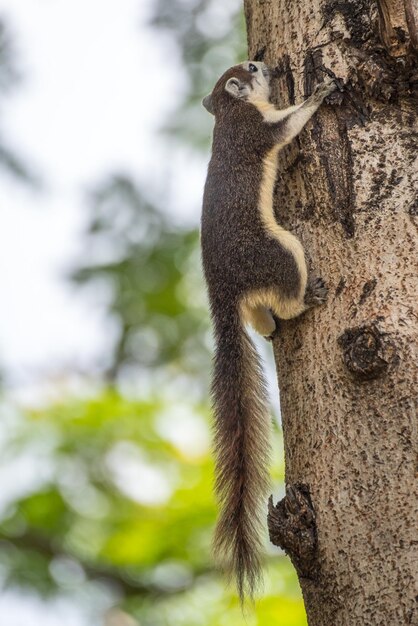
column 128, row 502
column 150, row 267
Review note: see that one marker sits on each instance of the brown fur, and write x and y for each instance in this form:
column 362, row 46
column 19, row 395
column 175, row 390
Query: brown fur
column 248, row 270
column 242, row 451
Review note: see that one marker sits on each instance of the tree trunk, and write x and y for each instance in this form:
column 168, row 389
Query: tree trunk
column 348, row 371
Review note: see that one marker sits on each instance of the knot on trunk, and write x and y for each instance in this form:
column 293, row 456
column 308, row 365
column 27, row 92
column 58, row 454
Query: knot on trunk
column 292, row 527
column 364, row 352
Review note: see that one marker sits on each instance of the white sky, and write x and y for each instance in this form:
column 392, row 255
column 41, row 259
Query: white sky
column 97, row 85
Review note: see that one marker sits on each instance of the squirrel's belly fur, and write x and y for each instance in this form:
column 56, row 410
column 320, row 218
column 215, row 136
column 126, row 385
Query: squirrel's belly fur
column 253, row 300
column 265, row 206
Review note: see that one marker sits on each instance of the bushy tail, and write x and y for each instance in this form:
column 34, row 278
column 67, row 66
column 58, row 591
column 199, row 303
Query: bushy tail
column 242, row 451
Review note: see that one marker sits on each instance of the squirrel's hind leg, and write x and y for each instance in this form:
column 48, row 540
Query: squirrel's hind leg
column 263, row 308
column 260, row 318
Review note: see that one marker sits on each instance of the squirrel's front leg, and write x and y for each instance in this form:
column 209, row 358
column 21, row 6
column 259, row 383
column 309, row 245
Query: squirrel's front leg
column 287, row 123
column 297, row 118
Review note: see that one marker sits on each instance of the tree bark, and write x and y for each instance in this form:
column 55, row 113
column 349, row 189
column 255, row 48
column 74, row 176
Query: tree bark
column 348, row 371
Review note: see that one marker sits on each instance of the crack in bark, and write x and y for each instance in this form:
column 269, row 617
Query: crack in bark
column 368, row 288
column 393, row 26
column 283, row 68
column 340, row 287
column 382, row 44
column 259, row 55
column 336, row 158
column 312, row 70
column 361, row 30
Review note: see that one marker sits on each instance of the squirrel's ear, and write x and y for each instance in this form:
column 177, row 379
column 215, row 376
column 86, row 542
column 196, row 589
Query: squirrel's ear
column 234, row 87
column 207, row 103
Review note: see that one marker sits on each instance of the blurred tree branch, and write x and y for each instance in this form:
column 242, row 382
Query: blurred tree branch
column 115, row 577
column 147, row 262
column 210, row 36
column 10, row 162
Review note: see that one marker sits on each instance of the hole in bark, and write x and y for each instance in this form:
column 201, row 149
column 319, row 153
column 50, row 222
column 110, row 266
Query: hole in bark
column 340, row 286
column 259, row 55
column 365, row 354
column 368, row 288
column 413, row 208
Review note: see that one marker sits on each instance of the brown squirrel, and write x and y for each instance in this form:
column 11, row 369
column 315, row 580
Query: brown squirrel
column 256, row 273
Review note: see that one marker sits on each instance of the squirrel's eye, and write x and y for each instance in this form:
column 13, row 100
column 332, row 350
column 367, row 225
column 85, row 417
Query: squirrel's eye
column 252, row 68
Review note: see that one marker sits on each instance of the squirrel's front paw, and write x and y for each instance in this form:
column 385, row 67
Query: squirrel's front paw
column 324, row 89
column 316, row 292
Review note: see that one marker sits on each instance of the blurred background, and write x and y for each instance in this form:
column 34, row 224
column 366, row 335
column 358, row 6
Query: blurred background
column 106, row 505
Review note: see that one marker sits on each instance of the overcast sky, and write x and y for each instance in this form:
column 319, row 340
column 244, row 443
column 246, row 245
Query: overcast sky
column 97, row 84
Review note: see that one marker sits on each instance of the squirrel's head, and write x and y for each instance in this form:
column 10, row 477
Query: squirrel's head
column 246, row 82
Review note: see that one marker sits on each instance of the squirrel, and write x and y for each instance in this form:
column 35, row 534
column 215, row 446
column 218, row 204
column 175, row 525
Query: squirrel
column 256, row 273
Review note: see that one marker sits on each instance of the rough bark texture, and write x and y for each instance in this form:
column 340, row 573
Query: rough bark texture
column 348, row 371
